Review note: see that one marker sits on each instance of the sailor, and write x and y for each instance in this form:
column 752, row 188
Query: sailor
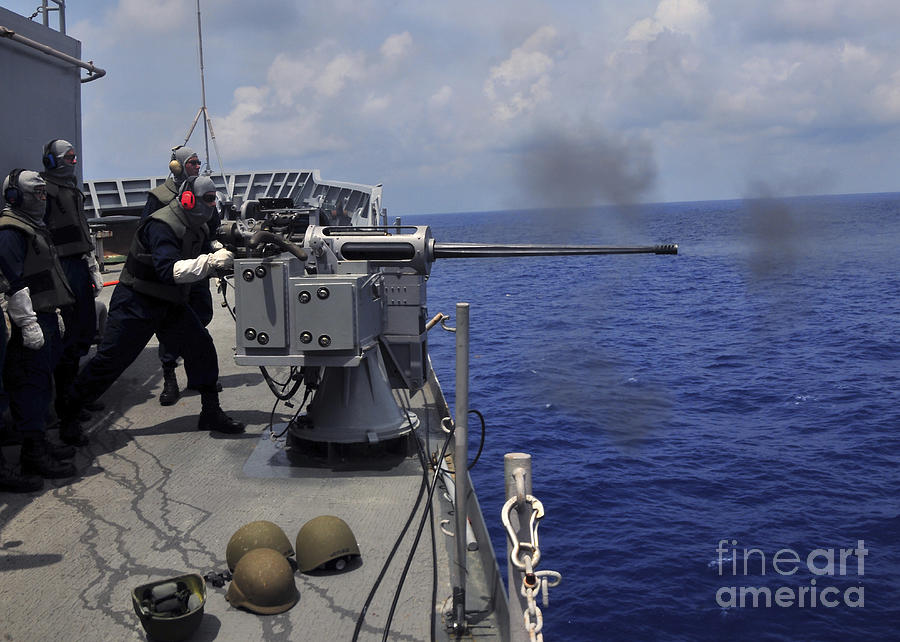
column 339, row 215
column 72, row 237
column 38, row 288
column 183, row 164
column 10, row 481
column 170, row 251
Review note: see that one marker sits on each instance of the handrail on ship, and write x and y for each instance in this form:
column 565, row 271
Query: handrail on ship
column 60, row 7
column 94, row 71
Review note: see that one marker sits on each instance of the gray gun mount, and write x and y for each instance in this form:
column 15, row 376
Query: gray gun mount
column 349, row 304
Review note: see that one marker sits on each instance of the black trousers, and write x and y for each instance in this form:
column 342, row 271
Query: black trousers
column 132, row 321
column 28, row 376
column 200, row 302
column 80, row 318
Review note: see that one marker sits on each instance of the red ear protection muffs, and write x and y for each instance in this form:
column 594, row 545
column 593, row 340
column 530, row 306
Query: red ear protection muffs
column 188, row 201
column 13, row 194
column 48, row 159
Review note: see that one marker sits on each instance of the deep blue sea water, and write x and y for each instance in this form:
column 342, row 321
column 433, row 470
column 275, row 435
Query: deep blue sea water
column 745, row 390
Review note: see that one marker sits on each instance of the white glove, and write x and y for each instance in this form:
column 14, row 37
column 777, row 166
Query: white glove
column 222, row 259
column 60, row 323
column 22, row 314
column 94, row 267
column 191, row 270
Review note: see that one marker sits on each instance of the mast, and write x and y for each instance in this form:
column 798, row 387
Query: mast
column 203, row 88
column 208, row 131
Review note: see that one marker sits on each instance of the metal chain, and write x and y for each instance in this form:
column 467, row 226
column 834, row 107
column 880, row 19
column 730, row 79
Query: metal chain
column 525, row 557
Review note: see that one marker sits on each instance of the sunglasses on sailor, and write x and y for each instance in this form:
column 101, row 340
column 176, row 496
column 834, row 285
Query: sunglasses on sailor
column 193, row 161
column 209, row 197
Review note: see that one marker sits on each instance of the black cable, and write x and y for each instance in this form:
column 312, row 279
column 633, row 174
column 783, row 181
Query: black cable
column 272, row 383
column 387, row 562
column 481, row 445
column 223, row 288
column 272, row 419
column 423, row 462
column 387, row 626
column 434, row 574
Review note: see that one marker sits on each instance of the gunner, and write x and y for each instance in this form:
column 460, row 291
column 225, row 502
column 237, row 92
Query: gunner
column 170, row 252
column 183, row 164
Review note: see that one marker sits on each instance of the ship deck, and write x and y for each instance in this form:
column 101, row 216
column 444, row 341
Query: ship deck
column 155, row 498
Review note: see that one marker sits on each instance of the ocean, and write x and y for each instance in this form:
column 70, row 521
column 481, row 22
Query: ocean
column 715, row 434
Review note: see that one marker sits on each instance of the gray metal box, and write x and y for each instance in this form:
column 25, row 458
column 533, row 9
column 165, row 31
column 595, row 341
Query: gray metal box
column 259, row 298
column 336, row 313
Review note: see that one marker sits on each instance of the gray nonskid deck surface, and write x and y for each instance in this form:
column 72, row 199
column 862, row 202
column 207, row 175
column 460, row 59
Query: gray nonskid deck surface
column 156, row 498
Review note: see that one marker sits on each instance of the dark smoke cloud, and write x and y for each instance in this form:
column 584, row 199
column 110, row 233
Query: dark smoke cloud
column 778, row 231
column 586, row 167
column 773, row 232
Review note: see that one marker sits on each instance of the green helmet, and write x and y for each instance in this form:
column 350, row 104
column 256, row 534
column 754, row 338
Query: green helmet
column 170, row 610
column 323, row 539
column 263, row 583
column 261, row 534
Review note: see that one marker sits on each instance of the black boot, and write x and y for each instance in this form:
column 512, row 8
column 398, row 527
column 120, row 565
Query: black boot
column 212, row 417
column 35, row 459
column 59, row 452
column 11, row 482
column 170, row 393
column 70, row 433
column 69, row 409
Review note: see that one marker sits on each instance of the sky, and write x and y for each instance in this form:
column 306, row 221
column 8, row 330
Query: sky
column 477, row 106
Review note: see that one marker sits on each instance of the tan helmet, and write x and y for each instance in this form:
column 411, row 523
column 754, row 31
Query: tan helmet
column 260, row 534
column 325, row 539
column 170, row 610
column 263, row 583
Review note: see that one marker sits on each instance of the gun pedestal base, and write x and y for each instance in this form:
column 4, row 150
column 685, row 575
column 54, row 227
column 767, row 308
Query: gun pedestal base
column 355, row 406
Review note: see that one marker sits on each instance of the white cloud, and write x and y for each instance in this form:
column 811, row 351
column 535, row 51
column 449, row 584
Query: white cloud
column 131, row 20
column 375, row 103
column 341, row 70
column 397, row 46
column 441, row 97
column 520, row 82
column 886, row 99
column 679, row 16
column 645, row 30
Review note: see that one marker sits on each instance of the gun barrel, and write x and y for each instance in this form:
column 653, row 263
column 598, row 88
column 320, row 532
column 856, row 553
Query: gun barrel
column 482, row 250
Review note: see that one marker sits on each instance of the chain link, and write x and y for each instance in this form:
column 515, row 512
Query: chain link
column 525, row 557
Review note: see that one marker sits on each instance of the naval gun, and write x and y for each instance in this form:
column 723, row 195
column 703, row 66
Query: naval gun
column 346, row 307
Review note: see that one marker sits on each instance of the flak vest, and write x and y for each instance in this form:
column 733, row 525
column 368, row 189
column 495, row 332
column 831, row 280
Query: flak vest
column 42, row 272
column 139, row 272
column 166, row 192
column 65, row 218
